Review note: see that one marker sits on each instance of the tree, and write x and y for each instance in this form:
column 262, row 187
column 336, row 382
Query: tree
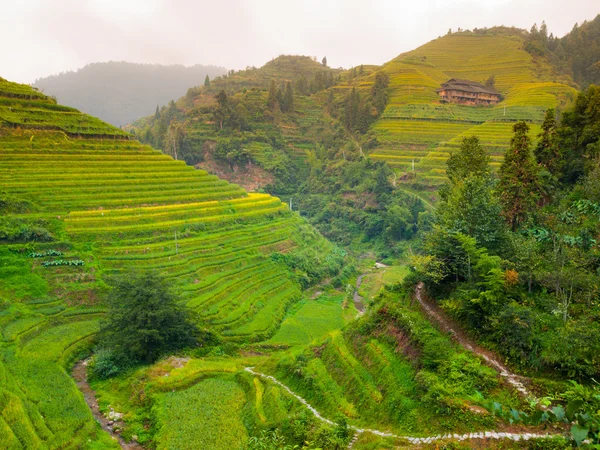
column 518, row 187
column 351, row 109
column 491, row 82
column 272, row 97
column 207, row 81
column 145, row 320
column 221, row 111
column 472, row 208
column 470, row 160
column 378, row 91
column 157, row 113
column 330, row 100
column 288, row 98
column 324, row 61
column 302, row 86
column 174, row 139
column 546, row 151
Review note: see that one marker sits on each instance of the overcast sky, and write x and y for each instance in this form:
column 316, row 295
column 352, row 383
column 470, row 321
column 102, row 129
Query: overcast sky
column 44, row 37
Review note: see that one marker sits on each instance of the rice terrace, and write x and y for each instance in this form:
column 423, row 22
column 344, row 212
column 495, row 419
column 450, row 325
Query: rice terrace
column 305, row 254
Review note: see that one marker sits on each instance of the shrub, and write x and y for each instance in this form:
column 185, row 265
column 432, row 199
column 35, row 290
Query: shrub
column 107, row 364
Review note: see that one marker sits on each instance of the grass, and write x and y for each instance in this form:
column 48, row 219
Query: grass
column 311, row 321
column 216, row 425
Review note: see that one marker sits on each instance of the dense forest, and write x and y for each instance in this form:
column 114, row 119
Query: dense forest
column 576, row 54
column 120, row 92
column 514, row 256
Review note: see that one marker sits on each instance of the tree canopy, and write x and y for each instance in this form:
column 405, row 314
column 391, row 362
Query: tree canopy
column 145, row 320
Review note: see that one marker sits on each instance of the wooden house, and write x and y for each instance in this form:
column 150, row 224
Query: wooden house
column 465, row 92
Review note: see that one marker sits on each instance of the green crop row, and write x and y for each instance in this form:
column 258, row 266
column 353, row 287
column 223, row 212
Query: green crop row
column 63, row 262
column 44, row 254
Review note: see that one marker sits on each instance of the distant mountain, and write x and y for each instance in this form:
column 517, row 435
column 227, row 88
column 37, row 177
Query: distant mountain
column 121, row 92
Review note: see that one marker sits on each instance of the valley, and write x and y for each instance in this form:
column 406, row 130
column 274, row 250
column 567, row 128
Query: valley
column 297, row 256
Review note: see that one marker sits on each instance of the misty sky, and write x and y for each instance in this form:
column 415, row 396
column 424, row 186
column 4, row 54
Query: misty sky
column 43, row 37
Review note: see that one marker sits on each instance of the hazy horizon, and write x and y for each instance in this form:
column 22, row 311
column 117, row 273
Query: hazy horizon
column 64, row 35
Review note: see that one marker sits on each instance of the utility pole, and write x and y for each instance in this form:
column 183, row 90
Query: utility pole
column 413, row 165
column 290, row 203
column 176, row 246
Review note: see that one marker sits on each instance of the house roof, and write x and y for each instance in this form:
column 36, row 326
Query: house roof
column 467, row 86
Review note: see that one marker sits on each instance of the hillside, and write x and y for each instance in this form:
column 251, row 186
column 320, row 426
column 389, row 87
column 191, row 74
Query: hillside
column 314, row 151
column 121, row 92
column 81, row 201
column 415, row 126
column 577, row 54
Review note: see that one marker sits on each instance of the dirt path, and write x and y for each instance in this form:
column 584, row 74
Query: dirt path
column 446, row 325
column 412, row 439
column 80, row 376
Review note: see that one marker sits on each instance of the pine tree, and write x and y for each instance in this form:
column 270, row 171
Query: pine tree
column 351, row 109
column 470, row 160
column 518, row 187
column 546, row 151
column 157, row 113
column 378, row 91
column 207, row 81
column 324, row 61
column 288, row 98
column 302, row 86
column 330, row 99
column 272, row 98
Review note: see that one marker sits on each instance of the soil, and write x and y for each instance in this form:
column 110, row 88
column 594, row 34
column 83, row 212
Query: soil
column 81, row 379
column 251, row 177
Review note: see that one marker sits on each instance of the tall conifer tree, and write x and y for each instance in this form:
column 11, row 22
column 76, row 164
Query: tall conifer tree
column 518, row 187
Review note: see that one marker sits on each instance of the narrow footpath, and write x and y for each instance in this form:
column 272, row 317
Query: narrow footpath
column 81, row 379
column 412, row 439
column 437, row 316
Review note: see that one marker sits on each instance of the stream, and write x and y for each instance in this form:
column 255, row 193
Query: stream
column 81, row 379
column 358, row 300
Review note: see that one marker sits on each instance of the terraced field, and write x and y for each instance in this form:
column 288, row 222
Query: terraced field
column 417, row 127
column 94, row 203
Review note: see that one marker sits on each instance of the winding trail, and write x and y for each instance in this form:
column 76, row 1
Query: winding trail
column 412, row 439
column 434, row 314
column 81, row 379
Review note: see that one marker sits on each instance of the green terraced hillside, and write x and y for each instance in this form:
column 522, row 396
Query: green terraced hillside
column 80, row 201
column 415, row 126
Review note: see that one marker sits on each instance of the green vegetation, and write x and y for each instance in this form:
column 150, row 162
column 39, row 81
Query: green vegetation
column 574, row 54
column 82, row 203
column 144, row 322
column 218, row 316
column 527, row 292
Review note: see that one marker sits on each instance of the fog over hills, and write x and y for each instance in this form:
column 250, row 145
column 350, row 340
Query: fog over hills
column 120, row 92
